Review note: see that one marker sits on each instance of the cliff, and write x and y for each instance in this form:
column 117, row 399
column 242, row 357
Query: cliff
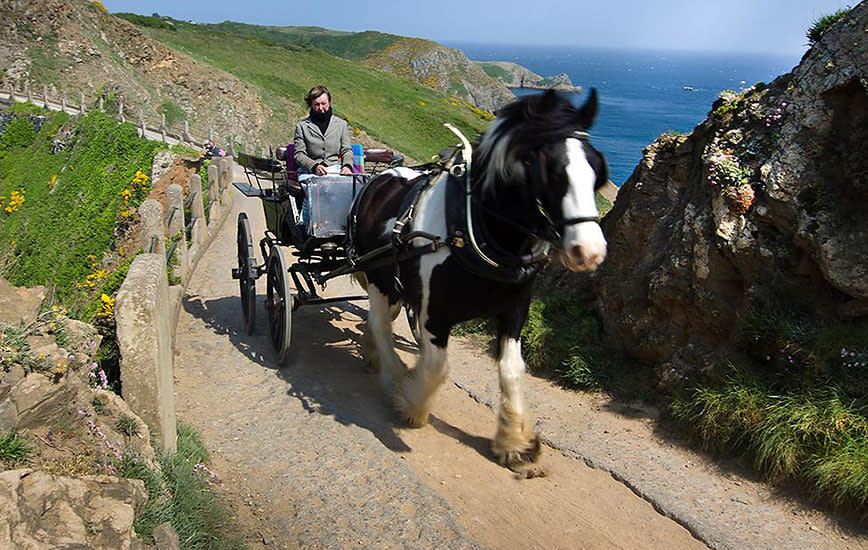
column 763, row 203
column 443, row 69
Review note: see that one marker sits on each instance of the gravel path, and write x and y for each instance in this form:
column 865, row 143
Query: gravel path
column 311, row 455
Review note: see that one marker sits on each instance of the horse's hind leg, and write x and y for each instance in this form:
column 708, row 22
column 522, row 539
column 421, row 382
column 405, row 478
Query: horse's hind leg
column 515, row 442
column 416, row 396
column 382, row 352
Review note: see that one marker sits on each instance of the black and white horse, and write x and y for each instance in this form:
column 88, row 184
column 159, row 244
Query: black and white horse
column 532, row 178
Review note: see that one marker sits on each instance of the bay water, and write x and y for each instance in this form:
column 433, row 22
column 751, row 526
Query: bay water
column 643, row 93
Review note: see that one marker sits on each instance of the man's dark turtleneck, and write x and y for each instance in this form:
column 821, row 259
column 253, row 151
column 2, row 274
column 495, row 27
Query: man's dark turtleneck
column 321, row 119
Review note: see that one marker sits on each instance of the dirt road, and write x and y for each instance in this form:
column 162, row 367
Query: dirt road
column 311, row 455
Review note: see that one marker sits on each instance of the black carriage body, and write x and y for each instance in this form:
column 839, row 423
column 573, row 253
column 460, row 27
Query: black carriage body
column 320, row 256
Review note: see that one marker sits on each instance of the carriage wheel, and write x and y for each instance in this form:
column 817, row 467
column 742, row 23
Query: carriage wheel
column 246, row 261
column 413, row 321
column 279, row 304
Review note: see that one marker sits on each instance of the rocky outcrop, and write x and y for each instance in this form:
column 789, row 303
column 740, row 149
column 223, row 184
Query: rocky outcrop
column 443, row 69
column 43, row 43
column 79, row 434
column 45, row 511
column 517, row 76
column 766, row 199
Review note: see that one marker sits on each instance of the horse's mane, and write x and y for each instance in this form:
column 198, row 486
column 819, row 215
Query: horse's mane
column 521, row 127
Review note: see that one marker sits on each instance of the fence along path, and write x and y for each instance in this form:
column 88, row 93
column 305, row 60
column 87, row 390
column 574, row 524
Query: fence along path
column 147, row 129
column 147, row 305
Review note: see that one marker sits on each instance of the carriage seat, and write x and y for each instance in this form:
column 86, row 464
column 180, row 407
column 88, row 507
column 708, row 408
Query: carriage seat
column 378, row 157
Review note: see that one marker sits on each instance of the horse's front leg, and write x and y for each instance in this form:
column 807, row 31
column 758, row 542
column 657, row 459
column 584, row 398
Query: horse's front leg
column 515, row 442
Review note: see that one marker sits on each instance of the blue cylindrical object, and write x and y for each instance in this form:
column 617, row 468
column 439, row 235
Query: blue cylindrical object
column 358, row 158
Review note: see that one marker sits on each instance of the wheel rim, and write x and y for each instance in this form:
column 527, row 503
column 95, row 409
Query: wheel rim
column 279, row 304
column 246, row 285
column 413, row 321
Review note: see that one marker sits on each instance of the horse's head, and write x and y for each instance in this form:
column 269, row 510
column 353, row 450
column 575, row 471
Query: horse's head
column 539, row 148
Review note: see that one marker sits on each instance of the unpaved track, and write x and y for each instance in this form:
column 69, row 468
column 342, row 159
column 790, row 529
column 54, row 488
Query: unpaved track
column 311, row 454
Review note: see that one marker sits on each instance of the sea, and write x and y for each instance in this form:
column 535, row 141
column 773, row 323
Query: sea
column 642, row 93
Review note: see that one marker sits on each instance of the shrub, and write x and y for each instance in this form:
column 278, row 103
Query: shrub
column 19, row 132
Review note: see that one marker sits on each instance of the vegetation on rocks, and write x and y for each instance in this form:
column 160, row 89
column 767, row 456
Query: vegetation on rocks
column 821, row 25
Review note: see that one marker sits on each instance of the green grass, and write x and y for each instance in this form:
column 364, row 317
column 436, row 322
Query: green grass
column 392, row 109
column 496, row 71
column 127, row 425
column 99, row 405
column 817, row 437
column 180, row 494
column 173, row 113
column 797, row 403
column 562, row 338
column 14, row 449
column 48, row 240
column 821, row 25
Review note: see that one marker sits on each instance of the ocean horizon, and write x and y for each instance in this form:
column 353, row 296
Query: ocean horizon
column 643, row 93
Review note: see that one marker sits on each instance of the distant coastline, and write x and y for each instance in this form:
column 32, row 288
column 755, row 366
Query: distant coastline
column 560, row 88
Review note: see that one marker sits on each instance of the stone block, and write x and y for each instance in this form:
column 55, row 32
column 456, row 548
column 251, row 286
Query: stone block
column 151, row 215
column 145, row 340
column 19, row 306
column 166, row 538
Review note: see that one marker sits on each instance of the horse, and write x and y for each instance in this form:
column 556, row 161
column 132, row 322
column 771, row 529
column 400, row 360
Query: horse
column 486, row 224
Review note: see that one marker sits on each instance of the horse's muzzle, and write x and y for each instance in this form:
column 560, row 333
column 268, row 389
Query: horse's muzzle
column 584, row 247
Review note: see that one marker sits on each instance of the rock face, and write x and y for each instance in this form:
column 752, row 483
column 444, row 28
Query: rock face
column 44, row 511
column 765, row 199
column 74, row 42
column 517, row 76
column 443, row 69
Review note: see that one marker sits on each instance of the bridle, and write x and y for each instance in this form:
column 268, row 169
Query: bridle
column 552, row 227
column 555, row 226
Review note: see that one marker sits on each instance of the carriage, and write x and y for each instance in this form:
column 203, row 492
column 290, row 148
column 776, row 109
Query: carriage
column 460, row 240
column 321, row 253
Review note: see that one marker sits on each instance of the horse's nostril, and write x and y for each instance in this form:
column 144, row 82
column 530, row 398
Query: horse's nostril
column 575, row 254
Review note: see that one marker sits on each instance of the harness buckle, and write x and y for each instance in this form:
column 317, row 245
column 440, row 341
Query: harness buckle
column 457, row 171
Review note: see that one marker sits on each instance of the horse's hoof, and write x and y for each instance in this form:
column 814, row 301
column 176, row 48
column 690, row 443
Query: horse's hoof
column 513, row 458
column 414, row 419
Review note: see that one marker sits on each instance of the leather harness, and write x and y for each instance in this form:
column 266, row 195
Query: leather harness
column 465, row 227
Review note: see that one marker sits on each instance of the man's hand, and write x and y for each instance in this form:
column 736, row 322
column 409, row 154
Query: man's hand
column 346, row 171
column 320, row 170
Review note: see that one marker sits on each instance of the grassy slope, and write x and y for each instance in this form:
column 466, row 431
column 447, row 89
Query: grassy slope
column 48, row 240
column 348, row 45
column 392, row 109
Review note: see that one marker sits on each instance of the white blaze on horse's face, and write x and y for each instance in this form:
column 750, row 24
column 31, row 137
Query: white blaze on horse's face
column 583, row 243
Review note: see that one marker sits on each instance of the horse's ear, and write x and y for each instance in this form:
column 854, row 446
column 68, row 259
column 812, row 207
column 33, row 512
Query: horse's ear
column 549, row 100
column 588, row 113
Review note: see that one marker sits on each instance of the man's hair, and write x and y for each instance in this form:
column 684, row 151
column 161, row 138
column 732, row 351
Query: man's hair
column 315, row 92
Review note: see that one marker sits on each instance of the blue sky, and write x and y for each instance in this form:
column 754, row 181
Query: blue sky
column 728, row 25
